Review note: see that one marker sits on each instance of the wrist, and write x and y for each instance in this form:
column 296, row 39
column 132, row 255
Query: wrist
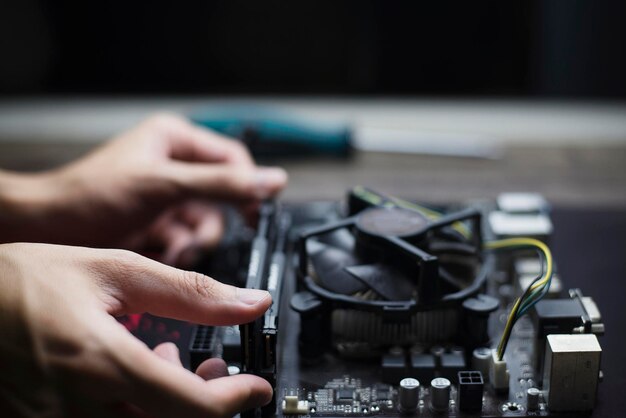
column 26, row 201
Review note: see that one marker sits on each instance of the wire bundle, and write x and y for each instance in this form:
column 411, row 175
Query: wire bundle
column 534, row 292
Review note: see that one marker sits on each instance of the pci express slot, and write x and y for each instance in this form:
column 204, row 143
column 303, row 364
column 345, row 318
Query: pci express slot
column 256, row 273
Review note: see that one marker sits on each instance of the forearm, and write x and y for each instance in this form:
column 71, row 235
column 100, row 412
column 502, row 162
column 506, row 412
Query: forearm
column 26, row 203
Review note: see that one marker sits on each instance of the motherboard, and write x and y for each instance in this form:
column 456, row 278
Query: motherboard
column 386, row 307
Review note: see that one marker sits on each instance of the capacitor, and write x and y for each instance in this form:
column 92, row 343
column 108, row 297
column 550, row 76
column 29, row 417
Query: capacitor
column 481, row 359
column 409, row 394
column 439, row 394
column 476, row 311
column 532, row 399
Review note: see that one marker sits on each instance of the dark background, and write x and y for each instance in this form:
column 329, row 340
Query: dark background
column 522, row 49
column 534, row 48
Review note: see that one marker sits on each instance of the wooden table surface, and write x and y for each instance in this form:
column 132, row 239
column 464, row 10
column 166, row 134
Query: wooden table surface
column 567, row 176
column 573, row 152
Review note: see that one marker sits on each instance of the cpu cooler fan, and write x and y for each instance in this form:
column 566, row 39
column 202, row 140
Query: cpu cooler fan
column 391, row 273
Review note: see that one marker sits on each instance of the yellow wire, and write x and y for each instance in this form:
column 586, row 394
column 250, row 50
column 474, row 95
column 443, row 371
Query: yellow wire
column 491, row 245
column 429, row 213
column 433, row 215
column 526, row 242
column 521, row 242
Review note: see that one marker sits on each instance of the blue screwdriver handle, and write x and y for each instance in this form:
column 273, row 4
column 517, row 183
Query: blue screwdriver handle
column 275, row 136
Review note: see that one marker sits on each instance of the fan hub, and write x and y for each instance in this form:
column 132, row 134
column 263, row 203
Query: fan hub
column 394, row 221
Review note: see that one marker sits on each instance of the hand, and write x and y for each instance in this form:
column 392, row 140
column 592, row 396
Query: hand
column 153, row 186
column 62, row 350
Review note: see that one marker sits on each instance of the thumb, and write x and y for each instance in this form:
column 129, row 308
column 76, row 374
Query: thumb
column 163, row 389
column 226, row 181
column 144, row 285
column 168, row 352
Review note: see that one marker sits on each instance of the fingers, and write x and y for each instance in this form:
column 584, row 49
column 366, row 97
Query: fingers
column 163, row 389
column 176, row 238
column 168, row 352
column 212, row 368
column 207, row 222
column 144, row 285
column 226, row 182
column 241, row 392
column 186, row 232
column 192, row 143
column 228, row 172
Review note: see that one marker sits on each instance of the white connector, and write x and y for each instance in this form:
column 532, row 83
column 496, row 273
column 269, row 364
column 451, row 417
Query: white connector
column 498, row 373
column 293, row 406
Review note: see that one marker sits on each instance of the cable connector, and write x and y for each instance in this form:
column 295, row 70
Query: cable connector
column 293, row 406
column 498, row 373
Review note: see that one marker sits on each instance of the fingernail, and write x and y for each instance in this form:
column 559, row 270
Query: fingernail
column 251, row 296
column 269, row 180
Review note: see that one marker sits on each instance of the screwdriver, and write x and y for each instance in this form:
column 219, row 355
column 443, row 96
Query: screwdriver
column 269, row 133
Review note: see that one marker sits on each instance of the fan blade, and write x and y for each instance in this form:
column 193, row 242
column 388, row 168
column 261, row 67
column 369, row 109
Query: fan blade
column 329, row 266
column 341, row 238
column 387, row 282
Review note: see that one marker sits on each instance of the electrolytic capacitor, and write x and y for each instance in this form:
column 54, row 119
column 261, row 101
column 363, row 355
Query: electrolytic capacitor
column 409, row 394
column 440, row 394
column 532, row 399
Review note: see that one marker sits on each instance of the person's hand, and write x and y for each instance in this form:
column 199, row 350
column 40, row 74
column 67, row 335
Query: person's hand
column 62, row 351
column 154, row 186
